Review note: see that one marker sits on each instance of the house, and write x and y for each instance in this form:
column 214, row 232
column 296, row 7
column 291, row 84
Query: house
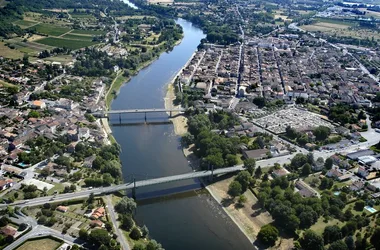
column 357, row 185
column 363, row 172
column 83, row 133
column 5, row 183
column 338, row 174
column 37, row 104
column 96, row 223
column 256, row 154
column 8, row 231
column 62, row 209
column 305, row 190
column 279, row 172
column 98, row 213
column 318, row 166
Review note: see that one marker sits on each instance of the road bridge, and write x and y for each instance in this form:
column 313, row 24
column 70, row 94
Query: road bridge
column 125, row 186
column 105, row 113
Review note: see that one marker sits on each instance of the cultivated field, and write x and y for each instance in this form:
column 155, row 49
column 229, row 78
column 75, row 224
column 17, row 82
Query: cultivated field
column 88, row 32
column 78, row 37
column 51, row 30
column 325, row 26
column 9, row 53
column 60, row 42
column 42, row 244
column 25, row 23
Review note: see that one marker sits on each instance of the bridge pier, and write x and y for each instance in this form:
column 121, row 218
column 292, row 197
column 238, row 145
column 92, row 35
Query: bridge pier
column 120, row 118
column 211, row 177
column 170, row 114
column 134, row 189
column 145, row 117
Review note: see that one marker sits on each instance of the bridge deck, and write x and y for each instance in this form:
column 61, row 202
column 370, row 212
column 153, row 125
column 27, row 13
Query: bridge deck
column 124, row 111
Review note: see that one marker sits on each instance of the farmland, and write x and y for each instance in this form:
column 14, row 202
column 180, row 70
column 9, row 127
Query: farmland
column 9, row 53
column 60, row 42
column 25, row 23
column 325, row 26
column 77, row 37
column 51, row 30
column 88, row 32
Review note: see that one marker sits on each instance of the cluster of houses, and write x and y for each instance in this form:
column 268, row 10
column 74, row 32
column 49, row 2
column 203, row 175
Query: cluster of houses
column 95, row 215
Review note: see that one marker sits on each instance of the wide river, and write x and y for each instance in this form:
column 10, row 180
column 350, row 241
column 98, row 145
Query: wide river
column 190, row 221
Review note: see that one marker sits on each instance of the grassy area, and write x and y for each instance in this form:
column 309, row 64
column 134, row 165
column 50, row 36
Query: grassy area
column 7, row 52
column 60, row 42
column 115, row 86
column 51, row 30
column 79, row 15
column 60, row 58
column 6, row 84
column 78, row 37
column 88, row 32
column 57, row 187
column 40, row 244
column 319, row 227
column 24, row 23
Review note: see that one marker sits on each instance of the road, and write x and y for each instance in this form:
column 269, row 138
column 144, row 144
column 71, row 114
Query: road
column 120, row 236
column 106, row 190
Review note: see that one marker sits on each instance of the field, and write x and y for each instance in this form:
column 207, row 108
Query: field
column 9, row 53
column 51, row 30
column 77, row 37
column 78, row 15
column 25, row 24
column 59, row 42
column 42, row 244
column 325, row 26
column 88, row 32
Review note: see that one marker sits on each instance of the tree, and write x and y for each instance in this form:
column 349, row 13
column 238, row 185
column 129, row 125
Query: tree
column 321, row 133
column 3, row 221
column 306, row 169
column 125, row 206
column 144, row 231
column 99, row 237
column 250, row 165
column 299, row 160
column 83, row 234
column 332, row 233
column 135, row 233
column 22, row 227
column 258, row 172
column 153, row 245
column 338, row 245
column 329, row 163
column 197, row 123
column 234, row 189
column 312, row 241
column 291, row 133
column 138, row 246
column 349, row 240
column 42, row 220
column 242, row 199
column 359, row 205
column 126, row 222
column 259, row 101
column 292, row 223
column 244, row 178
column 268, row 235
column 375, row 238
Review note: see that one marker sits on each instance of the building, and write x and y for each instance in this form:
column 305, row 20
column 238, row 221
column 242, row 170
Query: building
column 8, row 231
column 363, row 172
column 256, row 154
column 98, row 213
column 357, row 185
column 279, row 172
column 305, row 190
column 96, row 223
column 38, row 104
column 6, row 183
column 62, row 209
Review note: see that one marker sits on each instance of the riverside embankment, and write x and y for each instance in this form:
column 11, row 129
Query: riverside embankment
column 186, row 222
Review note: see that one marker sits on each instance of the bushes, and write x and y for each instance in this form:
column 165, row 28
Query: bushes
column 268, row 235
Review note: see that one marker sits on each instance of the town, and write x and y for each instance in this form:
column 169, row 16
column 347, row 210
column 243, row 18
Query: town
column 284, row 97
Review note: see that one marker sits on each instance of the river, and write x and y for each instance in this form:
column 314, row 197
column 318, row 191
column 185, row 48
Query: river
column 189, row 221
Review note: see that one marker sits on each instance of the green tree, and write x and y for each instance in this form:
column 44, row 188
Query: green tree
column 126, row 222
column 338, row 245
column 291, row 133
column 138, row 246
column 234, row 189
column 34, row 114
column 153, row 245
column 242, row 199
column 359, row 205
column 197, row 123
column 321, row 133
column 250, row 165
column 268, row 235
column 312, row 241
column 135, row 233
column 306, row 169
column 299, row 160
column 99, row 237
column 231, row 160
column 329, row 163
column 244, row 178
column 332, row 233
column 258, row 172
column 144, row 231
column 375, row 238
column 125, row 206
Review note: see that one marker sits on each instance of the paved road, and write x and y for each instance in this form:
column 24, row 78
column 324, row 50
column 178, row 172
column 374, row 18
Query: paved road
column 120, row 236
column 125, row 111
column 106, row 190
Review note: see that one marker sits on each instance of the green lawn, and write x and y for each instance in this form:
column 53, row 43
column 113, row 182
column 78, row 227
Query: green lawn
column 319, row 227
column 85, row 15
column 60, row 42
column 51, row 30
column 78, row 37
column 57, row 187
column 88, row 32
